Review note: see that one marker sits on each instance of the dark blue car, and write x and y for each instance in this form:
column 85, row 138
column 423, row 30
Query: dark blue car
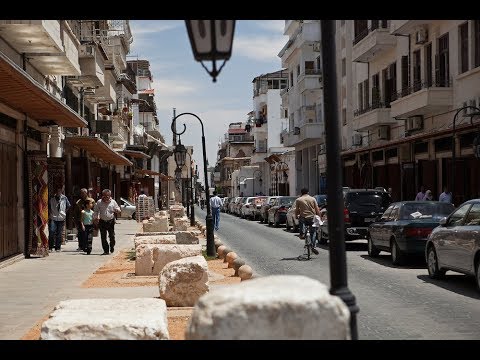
column 404, row 227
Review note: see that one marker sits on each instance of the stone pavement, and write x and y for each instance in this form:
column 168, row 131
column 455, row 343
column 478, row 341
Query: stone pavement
column 30, row 288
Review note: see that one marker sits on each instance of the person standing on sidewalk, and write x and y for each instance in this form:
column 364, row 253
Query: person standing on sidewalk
column 80, row 205
column 87, row 224
column 216, row 203
column 104, row 216
column 58, row 206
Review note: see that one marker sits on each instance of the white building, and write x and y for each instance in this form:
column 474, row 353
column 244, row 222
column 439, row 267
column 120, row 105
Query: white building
column 303, row 101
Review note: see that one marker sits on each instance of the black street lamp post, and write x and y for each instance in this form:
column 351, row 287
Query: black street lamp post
column 471, row 115
column 192, row 211
column 338, row 258
column 259, row 180
column 209, row 218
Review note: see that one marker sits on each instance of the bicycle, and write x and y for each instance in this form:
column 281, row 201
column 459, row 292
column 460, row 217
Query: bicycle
column 309, row 248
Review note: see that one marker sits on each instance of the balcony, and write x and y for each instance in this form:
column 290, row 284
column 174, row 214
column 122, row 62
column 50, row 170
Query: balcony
column 105, row 94
column 119, row 131
column 423, row 98
column 92, row 68
column 117, row 57
column 373, row 116
column 406, row 26
column 366, row 47
column 310, row 80
column 308, row 131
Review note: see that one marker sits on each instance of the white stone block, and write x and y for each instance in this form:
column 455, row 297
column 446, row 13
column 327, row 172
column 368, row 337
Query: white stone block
column 281, row 307
column 157, row 239
column 182, row 237
column 164, row 254
column 143, row 260
column 107, row 319
column 182, row 282
column 159, row 225
column 180, row 224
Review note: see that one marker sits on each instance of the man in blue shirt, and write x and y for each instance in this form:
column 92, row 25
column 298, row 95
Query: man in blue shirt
column 216, row 203
column 58, row 206
column 445, row 196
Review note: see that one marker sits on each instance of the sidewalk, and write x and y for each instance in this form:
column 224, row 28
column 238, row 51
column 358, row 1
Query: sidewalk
column 30, row 288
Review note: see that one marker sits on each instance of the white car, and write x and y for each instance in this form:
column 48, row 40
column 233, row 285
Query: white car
column 128, row 209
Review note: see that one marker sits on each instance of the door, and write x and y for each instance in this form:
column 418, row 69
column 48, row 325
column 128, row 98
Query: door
column 8, row 201
column 467, row 234
column 447, row 250
column 376, row 229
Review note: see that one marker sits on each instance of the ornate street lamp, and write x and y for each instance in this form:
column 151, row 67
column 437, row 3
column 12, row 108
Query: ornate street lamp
column 211, row 40
column 471, row 115
column 209, row 218
column 180, row 154
column 336, row 228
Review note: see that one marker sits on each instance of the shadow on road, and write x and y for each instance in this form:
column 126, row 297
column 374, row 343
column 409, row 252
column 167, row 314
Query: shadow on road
column 302, row 257
column 409, row 263
column 460, row 284
column 349, row 246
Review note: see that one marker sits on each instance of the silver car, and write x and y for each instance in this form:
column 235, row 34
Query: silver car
column 455, row 244
column 128, row 209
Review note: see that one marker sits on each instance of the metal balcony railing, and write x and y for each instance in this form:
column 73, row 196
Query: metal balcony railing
column 374, row 105
column 440, row 82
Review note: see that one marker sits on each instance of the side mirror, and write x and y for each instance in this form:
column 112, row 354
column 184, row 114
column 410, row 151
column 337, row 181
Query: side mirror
column 443, row 221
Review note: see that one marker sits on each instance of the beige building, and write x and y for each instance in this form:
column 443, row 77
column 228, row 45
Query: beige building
column 402, row 83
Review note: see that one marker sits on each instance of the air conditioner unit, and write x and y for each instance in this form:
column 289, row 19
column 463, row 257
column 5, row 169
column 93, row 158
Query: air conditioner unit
column 316, row 46
column 357, row 139
column 296, row 130
column 421, row 36
column 414, row 123
column 89, row 91
column 384, row 132
column 322, row 149
column 87, row 50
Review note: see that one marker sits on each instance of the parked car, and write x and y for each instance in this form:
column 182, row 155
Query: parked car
column 277, row 214
column 321, row 200
column 252, row 207
column 231, row 204
column 362, row 208
column 264, row 209
column 455, row 244
column 128, row 209
column 292, row 221
column 226, row 201
column 238, row 206
column 247, row 206
column 404, row 227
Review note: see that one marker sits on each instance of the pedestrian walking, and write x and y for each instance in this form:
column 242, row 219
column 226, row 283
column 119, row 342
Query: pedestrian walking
column 104, row 215
column 306, row 208
column 445, row 196
column 58, row 206
column 215, row 204
column 87, row 224
column 420, row 194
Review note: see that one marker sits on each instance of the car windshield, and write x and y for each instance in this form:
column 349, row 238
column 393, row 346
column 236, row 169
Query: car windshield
column 370, row 200
column 126, row 202
column 286, row 200
column 434, row 211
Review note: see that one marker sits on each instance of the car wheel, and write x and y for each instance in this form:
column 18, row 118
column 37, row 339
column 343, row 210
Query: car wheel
column 397, row 256
column 432, row 265
column 372, row 250
column 133, row 216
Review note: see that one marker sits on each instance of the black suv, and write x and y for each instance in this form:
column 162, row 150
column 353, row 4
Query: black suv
column 362, row 208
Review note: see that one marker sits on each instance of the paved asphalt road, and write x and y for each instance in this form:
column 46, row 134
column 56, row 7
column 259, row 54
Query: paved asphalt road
column 396, row 302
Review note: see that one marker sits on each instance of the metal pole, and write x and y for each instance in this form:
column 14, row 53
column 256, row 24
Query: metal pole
column 209, row 218
column 192, row 199
column 338, row 260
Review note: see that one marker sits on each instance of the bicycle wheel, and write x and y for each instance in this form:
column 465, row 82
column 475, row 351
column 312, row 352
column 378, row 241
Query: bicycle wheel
column 308, row 245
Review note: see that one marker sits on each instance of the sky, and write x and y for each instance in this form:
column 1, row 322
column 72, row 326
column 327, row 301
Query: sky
column 182, row 83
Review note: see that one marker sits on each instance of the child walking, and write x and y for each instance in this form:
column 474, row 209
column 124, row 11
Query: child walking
column 87, row 225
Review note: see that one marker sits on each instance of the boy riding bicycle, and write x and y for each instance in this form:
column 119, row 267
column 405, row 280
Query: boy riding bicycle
column 306, row 208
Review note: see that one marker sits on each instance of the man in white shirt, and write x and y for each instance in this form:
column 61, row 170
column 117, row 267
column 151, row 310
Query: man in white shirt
column 104, row 216
column 215, row 204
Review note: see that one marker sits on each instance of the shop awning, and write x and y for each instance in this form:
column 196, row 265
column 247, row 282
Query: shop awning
column 98, row 148
column 24, row 94
column 135, row 154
